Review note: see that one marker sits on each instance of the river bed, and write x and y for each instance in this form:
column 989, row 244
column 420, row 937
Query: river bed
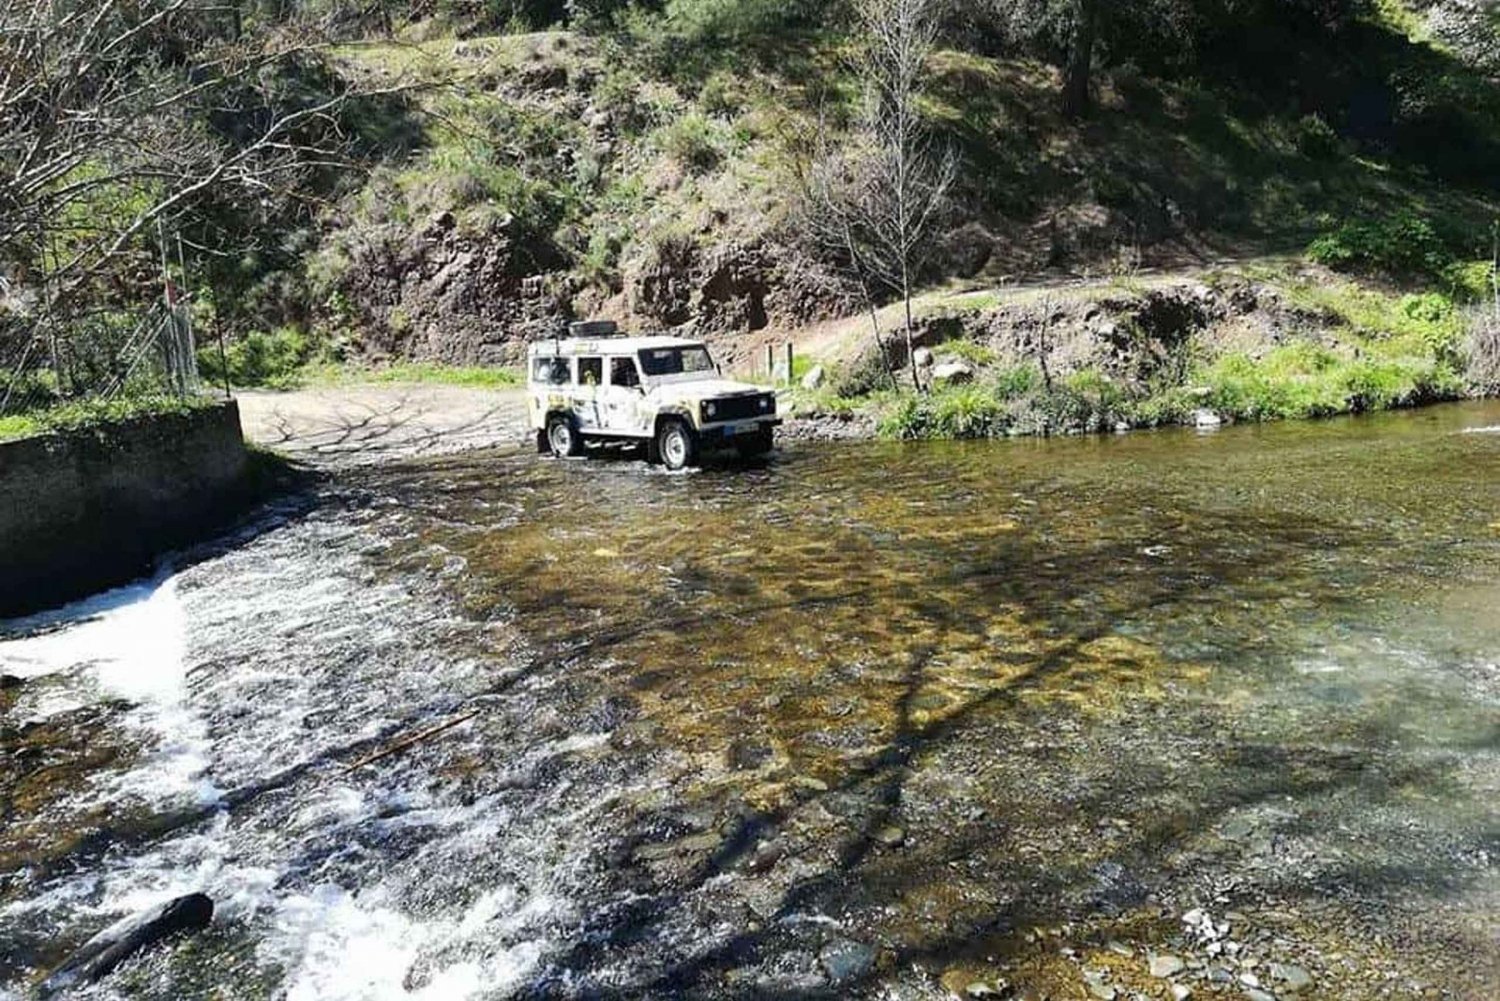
column 868, row 720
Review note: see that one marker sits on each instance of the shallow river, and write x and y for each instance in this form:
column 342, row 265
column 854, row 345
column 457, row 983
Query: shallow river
column 866, row 721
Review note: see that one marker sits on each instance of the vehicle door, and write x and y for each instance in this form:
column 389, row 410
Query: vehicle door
column 588, row 390
column 623, row 395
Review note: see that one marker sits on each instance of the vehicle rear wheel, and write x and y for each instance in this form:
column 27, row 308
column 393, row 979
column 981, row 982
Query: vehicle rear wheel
column 563, row 438
column 756, row 445
column 676, row 445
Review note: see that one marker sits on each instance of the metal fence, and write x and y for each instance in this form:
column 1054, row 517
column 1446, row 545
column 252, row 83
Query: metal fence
column 106, row 356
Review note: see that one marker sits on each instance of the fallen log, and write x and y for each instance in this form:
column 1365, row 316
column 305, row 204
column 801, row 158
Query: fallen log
column 117, row 943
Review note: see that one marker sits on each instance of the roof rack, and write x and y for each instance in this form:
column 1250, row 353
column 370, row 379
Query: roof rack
column 594, row 328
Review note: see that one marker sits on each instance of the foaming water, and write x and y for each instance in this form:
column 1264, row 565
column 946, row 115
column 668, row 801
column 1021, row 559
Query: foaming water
column 128, row 644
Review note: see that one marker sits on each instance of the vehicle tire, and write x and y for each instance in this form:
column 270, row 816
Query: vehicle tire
column 756, row 445
column 676, row 445
column 563, row 438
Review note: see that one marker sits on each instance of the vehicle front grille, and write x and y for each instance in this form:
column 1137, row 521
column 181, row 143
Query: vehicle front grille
column 740, row 408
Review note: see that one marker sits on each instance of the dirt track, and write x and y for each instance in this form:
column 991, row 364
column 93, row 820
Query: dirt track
column 356, row 425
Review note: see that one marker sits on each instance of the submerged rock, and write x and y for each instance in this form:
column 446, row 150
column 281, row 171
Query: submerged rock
column 1206, row 419
column 846, row 960
column 9, row 681
column 117, row 943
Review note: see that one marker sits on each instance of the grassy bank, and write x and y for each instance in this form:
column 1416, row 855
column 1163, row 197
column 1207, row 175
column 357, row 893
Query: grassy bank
column 289, row 358
column 1330, row 346
column 82, row 415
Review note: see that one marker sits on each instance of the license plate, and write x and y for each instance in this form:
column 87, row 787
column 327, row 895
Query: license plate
column 749, row 428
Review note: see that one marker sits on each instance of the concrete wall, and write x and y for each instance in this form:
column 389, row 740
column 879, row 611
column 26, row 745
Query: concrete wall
column 84, row 511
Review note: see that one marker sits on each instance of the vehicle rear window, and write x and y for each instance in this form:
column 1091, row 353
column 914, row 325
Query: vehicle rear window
column 675, row 361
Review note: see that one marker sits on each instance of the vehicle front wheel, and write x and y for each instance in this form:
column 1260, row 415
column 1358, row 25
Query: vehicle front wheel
column 563, row 438
column 676, row 445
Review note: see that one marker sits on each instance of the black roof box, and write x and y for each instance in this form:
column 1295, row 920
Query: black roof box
column 593, row 328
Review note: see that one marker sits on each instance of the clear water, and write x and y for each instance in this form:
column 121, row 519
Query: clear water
column 716, row 730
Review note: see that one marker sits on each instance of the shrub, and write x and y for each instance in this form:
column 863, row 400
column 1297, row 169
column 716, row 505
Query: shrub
column 1482, row 351
column 1316, row 139
column 1014, row 383
column 1404, row 244
column 959, row 412
column 690, row 141
column 258, row 359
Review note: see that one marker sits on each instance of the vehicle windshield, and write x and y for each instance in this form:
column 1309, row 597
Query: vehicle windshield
column 676, row 361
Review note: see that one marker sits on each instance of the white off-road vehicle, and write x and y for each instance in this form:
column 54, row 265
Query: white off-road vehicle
column 597, row 387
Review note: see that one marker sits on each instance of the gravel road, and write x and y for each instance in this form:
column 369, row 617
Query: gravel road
column 364, row 424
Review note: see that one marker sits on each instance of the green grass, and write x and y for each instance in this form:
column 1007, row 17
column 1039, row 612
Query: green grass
column 471, row 376
column 83, row 415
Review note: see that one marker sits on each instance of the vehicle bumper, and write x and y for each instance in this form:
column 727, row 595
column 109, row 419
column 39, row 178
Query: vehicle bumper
column 733, row 431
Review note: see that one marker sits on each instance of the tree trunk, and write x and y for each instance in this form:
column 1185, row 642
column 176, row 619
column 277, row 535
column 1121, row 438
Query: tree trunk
column 911, row 348
column 1079, row 71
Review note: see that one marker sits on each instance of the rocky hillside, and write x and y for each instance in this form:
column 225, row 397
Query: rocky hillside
column 647, row 168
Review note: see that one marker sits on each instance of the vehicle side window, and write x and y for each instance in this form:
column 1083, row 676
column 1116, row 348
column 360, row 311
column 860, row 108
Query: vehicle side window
column 551, row 372
column 622, row 372
column 591, row 371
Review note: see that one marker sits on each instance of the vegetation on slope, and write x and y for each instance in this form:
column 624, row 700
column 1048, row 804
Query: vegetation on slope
column 517, row 165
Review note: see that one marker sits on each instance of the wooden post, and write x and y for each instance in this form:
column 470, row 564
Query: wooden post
column 771, row 362
column 788, row 363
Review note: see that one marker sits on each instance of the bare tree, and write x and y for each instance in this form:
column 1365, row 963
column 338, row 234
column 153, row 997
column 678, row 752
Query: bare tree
column 118, row 118
column 878, row 197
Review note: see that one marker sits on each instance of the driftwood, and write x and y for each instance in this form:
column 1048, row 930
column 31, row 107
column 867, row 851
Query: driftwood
column 412, row 741
column 117, row 943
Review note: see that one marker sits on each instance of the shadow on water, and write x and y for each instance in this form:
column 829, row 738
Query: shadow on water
column 1249, row 578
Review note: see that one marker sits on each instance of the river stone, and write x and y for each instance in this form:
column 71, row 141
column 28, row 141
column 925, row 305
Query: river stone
column 1258, row 995
column 1166, row 966
column 1206, row 419
column 954, row 373
column 1293, row 978
column 1181, row 992
column 891, row 837
column 9, row 681
column 845, row 959
column 122, row 940
column 814, row 377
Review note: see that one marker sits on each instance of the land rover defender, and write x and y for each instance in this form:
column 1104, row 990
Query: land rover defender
column 596, row 387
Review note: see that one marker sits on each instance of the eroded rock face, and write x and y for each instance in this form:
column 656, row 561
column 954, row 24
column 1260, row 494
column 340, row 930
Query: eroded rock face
column 734, row 287
column 456, row 296
column 1131, row 337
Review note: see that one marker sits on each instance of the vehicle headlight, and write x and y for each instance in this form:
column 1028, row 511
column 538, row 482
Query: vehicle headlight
column 765, row 403
column 710, row 409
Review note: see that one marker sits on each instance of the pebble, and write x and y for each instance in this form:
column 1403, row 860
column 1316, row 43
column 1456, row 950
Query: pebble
column 891, row 837
column 1293, row 978
column 1166, row 966
column 1249, row 980
column 1181, row 992
column 1255, row 995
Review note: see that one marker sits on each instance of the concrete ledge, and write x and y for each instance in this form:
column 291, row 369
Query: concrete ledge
column 91, row 509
